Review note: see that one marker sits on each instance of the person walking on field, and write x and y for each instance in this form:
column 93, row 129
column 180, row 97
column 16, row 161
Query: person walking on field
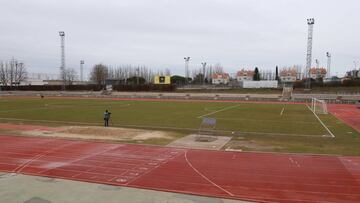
column 106, row 118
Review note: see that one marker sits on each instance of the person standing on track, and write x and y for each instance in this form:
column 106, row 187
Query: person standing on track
column 106, row 118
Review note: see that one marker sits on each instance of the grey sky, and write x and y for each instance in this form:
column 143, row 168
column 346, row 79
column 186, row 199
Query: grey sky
column 159, row 33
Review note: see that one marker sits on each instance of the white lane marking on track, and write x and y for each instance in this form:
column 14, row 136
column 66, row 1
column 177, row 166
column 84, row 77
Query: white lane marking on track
column 223, row 109
column 38, row 156
column 151, row 169
column 81, row 158
column 206, row 178
column 331, row 134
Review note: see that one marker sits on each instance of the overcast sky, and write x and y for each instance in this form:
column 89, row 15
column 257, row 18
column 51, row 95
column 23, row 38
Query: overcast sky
column 159, row 33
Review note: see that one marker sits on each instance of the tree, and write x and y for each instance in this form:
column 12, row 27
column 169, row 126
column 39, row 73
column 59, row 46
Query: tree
column 99, row 74
column 69, row 76
column 256, row 74
column 198, row 79
column 135, row 80
column 20, row 73
column 12, row 72
column 3, row 74
column 277, row 73
column 178, row 80
column 218, row 69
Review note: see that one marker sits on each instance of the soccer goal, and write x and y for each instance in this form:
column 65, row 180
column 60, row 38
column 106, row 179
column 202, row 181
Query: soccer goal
column 318, row 106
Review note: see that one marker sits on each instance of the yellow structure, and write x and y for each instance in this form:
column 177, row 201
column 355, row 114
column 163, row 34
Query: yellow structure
column 163, row 80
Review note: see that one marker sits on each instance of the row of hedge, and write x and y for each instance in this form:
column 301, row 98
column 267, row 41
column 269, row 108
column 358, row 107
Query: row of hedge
column 160, row 88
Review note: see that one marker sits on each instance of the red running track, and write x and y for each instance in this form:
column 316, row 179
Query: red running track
column 349, row 114
column 264, row 177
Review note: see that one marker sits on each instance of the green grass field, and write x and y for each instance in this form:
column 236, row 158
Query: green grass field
column 286, row 128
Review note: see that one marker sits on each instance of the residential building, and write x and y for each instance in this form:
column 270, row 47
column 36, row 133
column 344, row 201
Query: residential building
column 220, row 79
column 317, row 73
column 288, row 75
column 243, row 75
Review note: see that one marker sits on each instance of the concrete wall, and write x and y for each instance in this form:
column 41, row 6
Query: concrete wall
column 259, row 84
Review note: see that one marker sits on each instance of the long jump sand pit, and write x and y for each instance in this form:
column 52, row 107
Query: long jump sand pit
column 90, row 132
column 101, row 133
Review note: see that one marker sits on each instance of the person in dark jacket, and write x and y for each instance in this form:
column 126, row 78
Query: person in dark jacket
column 106, row 118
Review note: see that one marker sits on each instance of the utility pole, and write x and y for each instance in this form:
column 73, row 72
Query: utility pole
column 137, row 75
column 62, row 68
column 310, row 23
column 81, row 70
column 187, row 59
column 328, row 55
column 203, row 66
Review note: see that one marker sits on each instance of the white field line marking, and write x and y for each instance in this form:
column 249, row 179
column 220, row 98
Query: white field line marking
column 331, row 134
column 203, row 176
column 223, row 109
column 282, row 111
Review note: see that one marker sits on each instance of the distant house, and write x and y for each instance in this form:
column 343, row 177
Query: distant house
column 243, row 75
column 288, row 75
column 220, row 79
column 317, row 73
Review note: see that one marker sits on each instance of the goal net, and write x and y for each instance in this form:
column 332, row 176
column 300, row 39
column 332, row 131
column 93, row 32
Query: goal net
column 318, row 106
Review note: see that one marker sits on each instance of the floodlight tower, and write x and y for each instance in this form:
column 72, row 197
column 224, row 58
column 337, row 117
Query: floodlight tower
column 62, row 68
column 187, row 59
column 81, row 70
column 203, row 66
column 328, row 55
column 310, row 23
column 317, row 62
column 62, row 38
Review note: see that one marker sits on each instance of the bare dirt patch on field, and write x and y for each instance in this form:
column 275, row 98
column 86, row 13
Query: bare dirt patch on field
column 247, row 145
column 101, row 133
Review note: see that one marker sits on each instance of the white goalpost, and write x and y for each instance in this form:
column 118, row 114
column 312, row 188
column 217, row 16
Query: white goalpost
column 318, row 106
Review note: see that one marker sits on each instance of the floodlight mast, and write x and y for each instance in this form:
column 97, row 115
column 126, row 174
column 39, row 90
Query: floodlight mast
column 310, row 23
column 81, row 70
column 187, row 59
column 203, row 66
column 328, row 55
column 62, row 68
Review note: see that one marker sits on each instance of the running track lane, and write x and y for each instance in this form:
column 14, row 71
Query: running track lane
column 264, row 177
column 347, row 113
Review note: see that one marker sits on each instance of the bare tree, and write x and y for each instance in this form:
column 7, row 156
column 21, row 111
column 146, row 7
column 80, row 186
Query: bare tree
column 69, row 76
column 20, row 73
column 12, row 72
column 218, row 68
column 99, row 74
column 167, row 72
column 123, row 72
column 3, row 74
